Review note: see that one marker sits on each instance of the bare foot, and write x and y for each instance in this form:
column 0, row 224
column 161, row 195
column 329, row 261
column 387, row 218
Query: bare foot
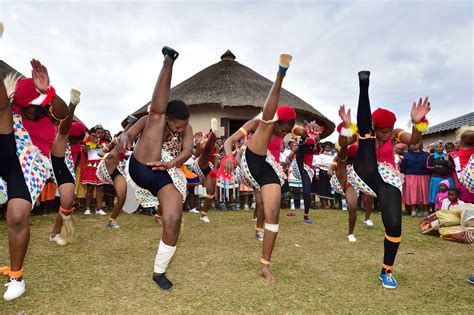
column 265, row 272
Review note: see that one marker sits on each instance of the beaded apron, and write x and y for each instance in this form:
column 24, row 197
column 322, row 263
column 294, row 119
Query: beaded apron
column 388, row 173
column 467, row 175
column 270, row 160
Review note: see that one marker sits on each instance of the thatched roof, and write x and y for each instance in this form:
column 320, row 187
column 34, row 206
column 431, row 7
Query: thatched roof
column 6, row 69
column 231, row 84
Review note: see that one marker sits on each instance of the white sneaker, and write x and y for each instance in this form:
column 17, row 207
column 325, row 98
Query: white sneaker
column 194, row 210
column 302, row 204
column 101, row 212
column 253, row 205
column 351, row 238
column 205, row 219
column 259, row 235
column 58, row 240
column 254, row 219
column 87, row 212
column 426, row 213
column 292, row 204
column 246, row 207
column 15, row 289
column 414, row 213
column 369, row 223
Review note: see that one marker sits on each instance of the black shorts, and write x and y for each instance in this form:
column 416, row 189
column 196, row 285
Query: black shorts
column 261, row 171
column 114, row 174
column 147, row 178
column 61, row 172
column 10, row 169
column 206, row 171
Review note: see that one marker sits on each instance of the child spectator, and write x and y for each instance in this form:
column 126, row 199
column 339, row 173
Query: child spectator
column 452, row 200
column 442, row 195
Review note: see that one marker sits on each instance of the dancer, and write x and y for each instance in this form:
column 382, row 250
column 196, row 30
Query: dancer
column 466, row 163
column 203, row 166
column 304, row 163
column 339, row 183
column 63, row 166
column 111, row 170
column 258, row 215
column 165, row 143
column 262, row 168
column 26, row 138
column 374, row 166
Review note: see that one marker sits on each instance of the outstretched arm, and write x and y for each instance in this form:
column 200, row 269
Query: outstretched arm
column 128, row 137
column 418, row 113
column 39, row 73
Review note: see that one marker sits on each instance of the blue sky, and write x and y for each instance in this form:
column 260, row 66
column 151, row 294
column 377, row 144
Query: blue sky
column 111, row 51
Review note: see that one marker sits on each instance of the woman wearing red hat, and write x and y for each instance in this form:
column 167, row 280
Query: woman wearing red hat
column 64, row 172
column 374, row 170
column 260, row 160
column 165, row 143
column 26, row 139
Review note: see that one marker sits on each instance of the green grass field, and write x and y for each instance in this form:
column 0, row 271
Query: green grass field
column 215, row 268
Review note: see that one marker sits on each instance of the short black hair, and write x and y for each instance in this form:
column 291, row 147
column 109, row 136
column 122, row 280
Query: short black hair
column 454, row 190
column 177, row 109
column 449, row 145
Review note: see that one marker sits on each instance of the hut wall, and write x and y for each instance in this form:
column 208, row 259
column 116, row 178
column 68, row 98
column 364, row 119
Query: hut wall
column 446, row 136
column 200, row 117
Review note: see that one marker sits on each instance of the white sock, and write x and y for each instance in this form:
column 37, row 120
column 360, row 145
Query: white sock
column 163, row 257
column 301, row 204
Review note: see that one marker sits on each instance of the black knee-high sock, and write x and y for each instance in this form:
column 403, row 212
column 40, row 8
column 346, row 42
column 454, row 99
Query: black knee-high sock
column 391, row 207
column 365, row 161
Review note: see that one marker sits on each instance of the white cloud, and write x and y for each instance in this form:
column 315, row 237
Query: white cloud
column 112, row 51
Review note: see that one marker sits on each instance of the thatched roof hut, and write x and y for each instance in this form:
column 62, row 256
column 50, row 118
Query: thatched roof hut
column 6, row 69
column 233, row 93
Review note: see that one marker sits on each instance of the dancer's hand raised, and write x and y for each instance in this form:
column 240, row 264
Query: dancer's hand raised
column 345, row 116
column 419, row 111
column 40, row 76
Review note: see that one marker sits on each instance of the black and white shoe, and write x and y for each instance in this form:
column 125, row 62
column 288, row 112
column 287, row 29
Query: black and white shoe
column 170, row 52
column 162, row 281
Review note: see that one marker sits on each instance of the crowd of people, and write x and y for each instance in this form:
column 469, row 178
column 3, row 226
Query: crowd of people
column 165, row 164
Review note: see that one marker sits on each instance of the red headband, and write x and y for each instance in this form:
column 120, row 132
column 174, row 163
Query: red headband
column 286, row 113
column 77, row 129
column 27, row 95
column 383, row 118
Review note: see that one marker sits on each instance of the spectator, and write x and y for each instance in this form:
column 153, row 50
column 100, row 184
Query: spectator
column 442, row 195
column 416, row 186
column 440, row 164
column 452, row 200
